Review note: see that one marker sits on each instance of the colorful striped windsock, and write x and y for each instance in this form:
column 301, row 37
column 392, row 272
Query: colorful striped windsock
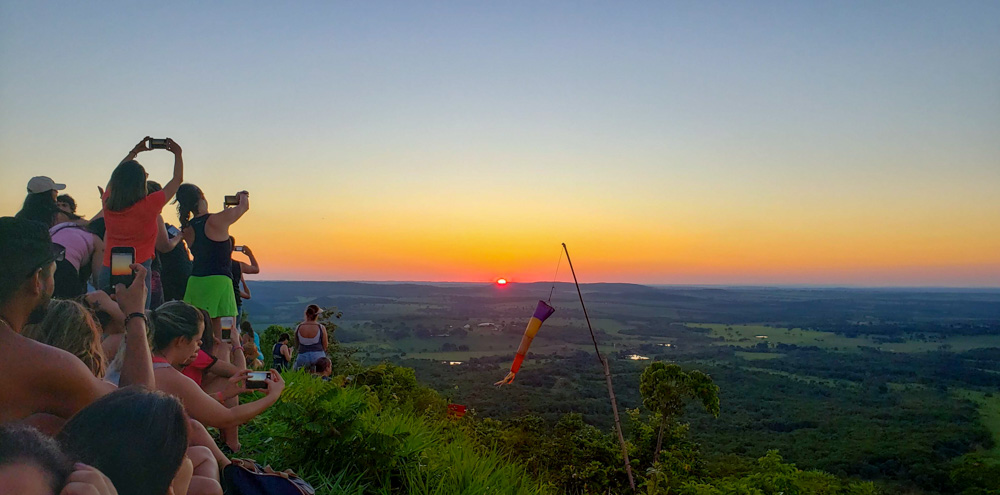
column 542, row 312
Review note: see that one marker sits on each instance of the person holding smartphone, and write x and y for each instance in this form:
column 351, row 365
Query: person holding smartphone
column 210, row 285
column 131, row 213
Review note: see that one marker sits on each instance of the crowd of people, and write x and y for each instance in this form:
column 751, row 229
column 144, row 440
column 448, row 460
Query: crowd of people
column 110, row 387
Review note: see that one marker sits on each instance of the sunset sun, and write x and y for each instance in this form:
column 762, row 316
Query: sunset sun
column 501, row 281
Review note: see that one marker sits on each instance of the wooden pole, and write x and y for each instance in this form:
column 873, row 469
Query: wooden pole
column 607, row 376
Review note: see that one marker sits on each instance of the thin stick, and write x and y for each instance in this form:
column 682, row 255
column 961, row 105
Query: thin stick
column 607, row 375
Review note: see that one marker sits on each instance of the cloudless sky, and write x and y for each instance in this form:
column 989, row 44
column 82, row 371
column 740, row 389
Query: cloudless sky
column 847, row 143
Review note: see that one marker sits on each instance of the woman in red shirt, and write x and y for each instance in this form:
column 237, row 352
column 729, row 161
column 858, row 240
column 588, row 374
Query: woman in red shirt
column 130, row 215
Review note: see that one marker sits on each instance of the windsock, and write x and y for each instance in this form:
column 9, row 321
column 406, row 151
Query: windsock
column 542, row 311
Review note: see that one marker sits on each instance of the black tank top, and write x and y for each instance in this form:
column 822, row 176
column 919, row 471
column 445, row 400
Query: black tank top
column 277, row 359
column 237, row 275
column 210, row 257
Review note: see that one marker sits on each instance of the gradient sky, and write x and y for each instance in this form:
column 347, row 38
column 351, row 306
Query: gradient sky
column 841, row 143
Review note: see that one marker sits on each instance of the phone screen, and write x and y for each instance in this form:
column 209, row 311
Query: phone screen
column 172, row 231
column 228, row 322
column 258, row 376
column 232, row 200
column 120, row 262
column 238, row 249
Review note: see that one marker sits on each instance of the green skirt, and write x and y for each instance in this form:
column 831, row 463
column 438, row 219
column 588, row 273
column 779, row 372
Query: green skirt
column 213, row 293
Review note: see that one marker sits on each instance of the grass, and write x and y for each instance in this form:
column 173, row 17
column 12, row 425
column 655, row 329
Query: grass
column 759, row 356
column 989, row 411
column 746, row 336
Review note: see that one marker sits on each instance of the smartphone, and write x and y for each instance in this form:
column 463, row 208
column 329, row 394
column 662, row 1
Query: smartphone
column 238, row 249
column 232, row 200
column 257, row 379
column 157, row 143
column 121, row 272
column 228, row 322
column 172, row 231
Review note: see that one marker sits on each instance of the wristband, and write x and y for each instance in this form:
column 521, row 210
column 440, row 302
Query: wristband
column 137, row 315
column 237, row 348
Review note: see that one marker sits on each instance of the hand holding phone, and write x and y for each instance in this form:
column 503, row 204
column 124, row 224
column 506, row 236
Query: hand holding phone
column 172, row 231
column 157, row 144
column 258, row 379
column 228, row 322
column 122, row 259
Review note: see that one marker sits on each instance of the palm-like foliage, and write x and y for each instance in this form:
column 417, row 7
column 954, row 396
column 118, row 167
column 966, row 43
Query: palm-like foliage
column 666, row 387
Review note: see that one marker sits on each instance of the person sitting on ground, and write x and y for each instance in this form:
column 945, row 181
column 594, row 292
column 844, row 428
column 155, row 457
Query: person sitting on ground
column 177, row 334
column 323, row 368
column 214, row 377
column 130, row 214
column 281, row 354
column 139, row 439
column 32, row 463
column 40, row 379
column 250, row 339
column 311, row 340
column 210, row 285
column 70, row 326
column 40, row 203
column 84, row 255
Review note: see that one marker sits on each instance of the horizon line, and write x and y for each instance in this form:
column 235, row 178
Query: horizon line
column 656, row 285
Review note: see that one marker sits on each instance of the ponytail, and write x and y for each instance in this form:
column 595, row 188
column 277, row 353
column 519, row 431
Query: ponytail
column 188, row 197
column 173, row 320
column 312, row 311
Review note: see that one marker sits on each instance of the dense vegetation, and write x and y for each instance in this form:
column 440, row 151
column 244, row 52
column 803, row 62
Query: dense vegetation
column 881, row 393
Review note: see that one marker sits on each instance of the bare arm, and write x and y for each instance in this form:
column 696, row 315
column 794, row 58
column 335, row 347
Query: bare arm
column 245, row 293
column 164, row 243
column 171, row 188
column 65, row 384
column 137, row 367
column 222, row 220
column 223, row 369
column 285, row 351
column 96, row 260
column 253, row 268
column 326, row 338
column 209, row 411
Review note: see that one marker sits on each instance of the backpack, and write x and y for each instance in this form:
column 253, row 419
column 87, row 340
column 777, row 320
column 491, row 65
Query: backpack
column 246, row 477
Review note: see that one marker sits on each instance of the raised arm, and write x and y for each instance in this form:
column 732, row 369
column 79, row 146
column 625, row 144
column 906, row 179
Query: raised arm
column 171, row 188
column 164, row 243
column 139, row 148
column 229, row 216
column 209, row 411
column 137, row 368
column 253, row 268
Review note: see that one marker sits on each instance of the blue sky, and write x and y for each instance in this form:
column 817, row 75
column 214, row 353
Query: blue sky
column 830, row 139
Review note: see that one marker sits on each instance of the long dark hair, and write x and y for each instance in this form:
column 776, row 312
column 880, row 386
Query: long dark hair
column 39, row 207
column 137, row 438
column 312, row 312
column 207, row 341
column 172, row 320
column 127, row 186
column 188, row 197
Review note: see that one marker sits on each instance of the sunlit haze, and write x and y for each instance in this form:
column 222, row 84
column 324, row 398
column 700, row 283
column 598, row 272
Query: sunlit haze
column 828, row 143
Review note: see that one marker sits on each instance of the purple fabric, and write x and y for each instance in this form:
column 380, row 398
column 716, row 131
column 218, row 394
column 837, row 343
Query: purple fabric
column 543, row 311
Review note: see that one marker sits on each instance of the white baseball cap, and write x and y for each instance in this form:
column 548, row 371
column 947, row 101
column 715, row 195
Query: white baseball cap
column 42, row 184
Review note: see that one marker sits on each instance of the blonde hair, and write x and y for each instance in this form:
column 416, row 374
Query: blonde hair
column 70, row 326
